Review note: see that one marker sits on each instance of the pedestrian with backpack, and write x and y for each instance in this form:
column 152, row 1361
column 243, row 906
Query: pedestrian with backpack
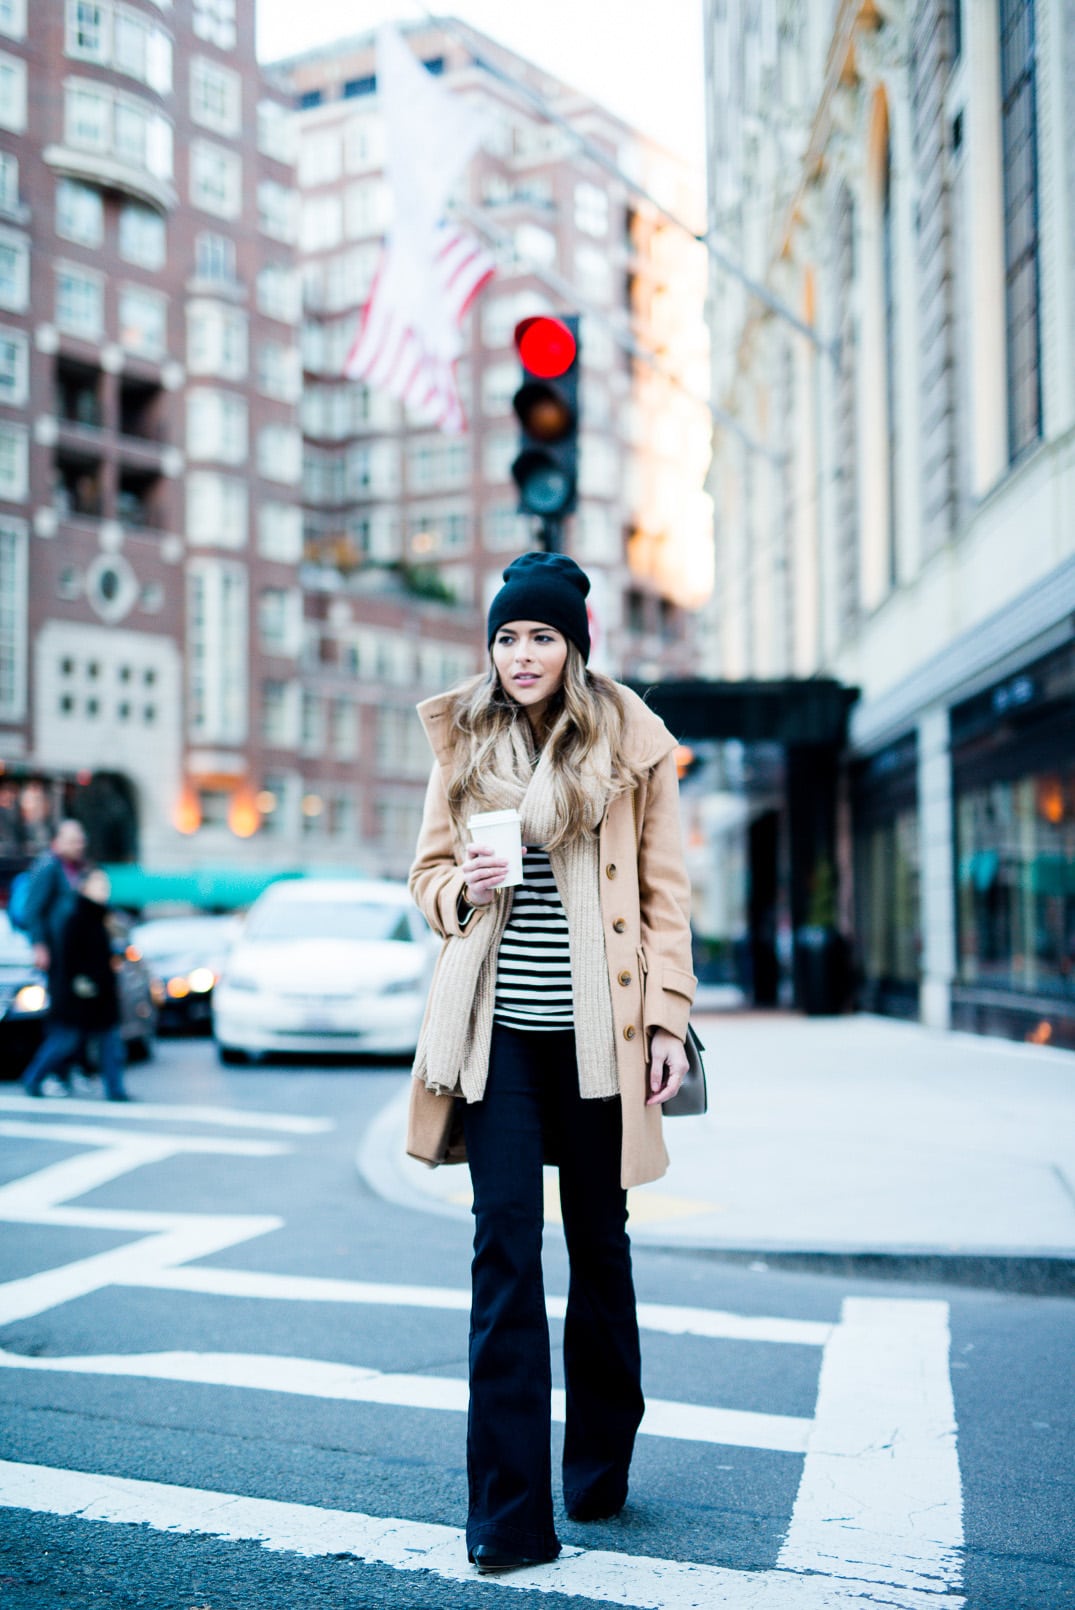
column 83, row 994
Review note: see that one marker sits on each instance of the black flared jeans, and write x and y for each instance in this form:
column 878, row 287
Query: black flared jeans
column 531, row 1113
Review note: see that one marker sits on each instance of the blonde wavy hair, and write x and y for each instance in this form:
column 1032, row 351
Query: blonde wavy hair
column 584, row 715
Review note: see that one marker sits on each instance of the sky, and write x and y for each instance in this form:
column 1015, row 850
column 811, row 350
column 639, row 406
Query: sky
column 640, row 58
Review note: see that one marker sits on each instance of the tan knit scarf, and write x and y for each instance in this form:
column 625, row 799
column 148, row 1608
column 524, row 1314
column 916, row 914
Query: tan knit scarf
column 453, row 1050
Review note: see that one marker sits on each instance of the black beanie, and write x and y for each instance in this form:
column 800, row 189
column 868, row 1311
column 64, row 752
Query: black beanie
column 546, row 587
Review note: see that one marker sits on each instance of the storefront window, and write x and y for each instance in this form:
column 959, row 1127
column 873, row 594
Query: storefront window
column 1016, row 847
column 887, row 883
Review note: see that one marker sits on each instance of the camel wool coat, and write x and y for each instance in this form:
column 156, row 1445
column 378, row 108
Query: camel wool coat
column 645, row 907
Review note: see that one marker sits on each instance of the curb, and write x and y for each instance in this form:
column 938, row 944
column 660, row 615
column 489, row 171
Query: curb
column 1026, row 1274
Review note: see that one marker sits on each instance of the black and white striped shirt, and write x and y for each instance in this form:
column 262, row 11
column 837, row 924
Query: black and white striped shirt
column 533, row 971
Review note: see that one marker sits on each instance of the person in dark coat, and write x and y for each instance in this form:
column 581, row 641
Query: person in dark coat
column 51, row 895
column 83, row 993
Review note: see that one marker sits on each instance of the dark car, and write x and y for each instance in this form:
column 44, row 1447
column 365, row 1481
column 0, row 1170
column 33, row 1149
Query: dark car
column 185, row 956
column 24, row 998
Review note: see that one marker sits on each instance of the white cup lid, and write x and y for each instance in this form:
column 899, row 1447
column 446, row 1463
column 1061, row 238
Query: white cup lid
column 492, row 819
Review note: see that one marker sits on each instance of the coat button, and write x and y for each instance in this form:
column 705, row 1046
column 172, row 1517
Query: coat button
column 619, row 926
column 610, row 870
column 629, row 1032
column 625, row 977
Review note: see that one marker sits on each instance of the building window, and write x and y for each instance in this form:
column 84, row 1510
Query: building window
column 276, row 132
column 591, row 210
column 14, row 368
column 216, row 340
column 343, row 729
column 12, row 94
column 279, row 371
column 215, row 96
column 13, row 18
column 214, row 21
column 355, row 88
column 1018, row 88
column 117, row 36
column 143, row 322
column 217, row 426
column 276, row 210
column 9, row 182
column 322, row 223
column 13, row 619
column 279, row 293
column 217, row 655
column 363, row 144
column 216, row 179
column 280, row 620
column 320, row 157
column 278, row 710
column 312, row 732
column 280, row 454
column 280, row 532
column 142, row 235
column 99, row 120
column 80, row 212
column 437, row 465
column 214, row 259
column 434, row 531
column 593, row 274
column 216, row 510
column 14, row 463
column 14, row 271
column 80, row 302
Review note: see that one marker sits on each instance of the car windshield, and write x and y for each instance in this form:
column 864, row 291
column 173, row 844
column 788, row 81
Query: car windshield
column 328, row 919
column 14, row 945
column 165, row 937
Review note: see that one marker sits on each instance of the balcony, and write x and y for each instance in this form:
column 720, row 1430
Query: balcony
column 77, row 484
column 110, row 173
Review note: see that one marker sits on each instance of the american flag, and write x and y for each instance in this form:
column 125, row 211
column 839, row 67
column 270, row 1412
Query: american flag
column 408, row 338
column 394, row 354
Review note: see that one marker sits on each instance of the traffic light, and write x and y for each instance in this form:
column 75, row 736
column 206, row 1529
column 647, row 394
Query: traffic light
column 546, row 404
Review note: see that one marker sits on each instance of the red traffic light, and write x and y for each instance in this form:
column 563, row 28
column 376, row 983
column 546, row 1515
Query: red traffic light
column 546, row 347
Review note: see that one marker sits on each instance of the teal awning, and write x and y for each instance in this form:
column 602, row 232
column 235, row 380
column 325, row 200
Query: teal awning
column 209, row 888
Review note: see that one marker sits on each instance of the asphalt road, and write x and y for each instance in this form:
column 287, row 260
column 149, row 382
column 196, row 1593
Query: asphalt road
column 210, row 1299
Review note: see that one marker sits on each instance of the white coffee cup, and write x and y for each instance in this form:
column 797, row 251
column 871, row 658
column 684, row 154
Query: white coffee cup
column 501, row 832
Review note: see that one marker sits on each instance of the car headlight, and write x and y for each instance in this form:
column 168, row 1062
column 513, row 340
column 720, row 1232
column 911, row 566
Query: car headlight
column 178, row 987
column 241, row 981
column 201, row 980
column 400, row 986
column 31, row 998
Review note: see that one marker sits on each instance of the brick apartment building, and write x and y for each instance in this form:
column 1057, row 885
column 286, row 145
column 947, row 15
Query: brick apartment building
column 212, row 632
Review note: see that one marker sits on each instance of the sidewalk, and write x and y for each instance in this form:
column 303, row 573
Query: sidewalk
column 841, row 1136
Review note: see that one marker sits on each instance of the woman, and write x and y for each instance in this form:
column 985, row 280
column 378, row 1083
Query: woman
column 554, row 1032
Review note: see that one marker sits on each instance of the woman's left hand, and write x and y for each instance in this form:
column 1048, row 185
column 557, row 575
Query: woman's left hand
column 667, row 1067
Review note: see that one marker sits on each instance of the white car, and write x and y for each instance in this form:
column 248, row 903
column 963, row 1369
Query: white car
column 325, row 965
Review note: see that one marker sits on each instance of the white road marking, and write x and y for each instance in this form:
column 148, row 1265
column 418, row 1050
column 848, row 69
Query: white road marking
column 672, row 1321
column 167, row 1238
column 351, row 1383
column 620, row 1579
column 140, row 1112
column 880, row 1498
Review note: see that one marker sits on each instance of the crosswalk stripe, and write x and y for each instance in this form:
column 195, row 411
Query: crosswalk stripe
column 713, row 1323
column 351, row 1383
column 642, row 1582
column 161, row 1112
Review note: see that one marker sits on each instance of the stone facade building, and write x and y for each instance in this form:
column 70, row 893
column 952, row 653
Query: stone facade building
column 150, row 457
column 896, row 510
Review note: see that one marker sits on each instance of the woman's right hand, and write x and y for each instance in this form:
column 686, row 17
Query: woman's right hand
column 483, row 873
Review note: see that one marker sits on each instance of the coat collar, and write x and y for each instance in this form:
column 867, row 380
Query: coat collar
column 646, row 738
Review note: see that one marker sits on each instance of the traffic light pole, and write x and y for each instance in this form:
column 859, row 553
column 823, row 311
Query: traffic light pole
column 550, row 535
